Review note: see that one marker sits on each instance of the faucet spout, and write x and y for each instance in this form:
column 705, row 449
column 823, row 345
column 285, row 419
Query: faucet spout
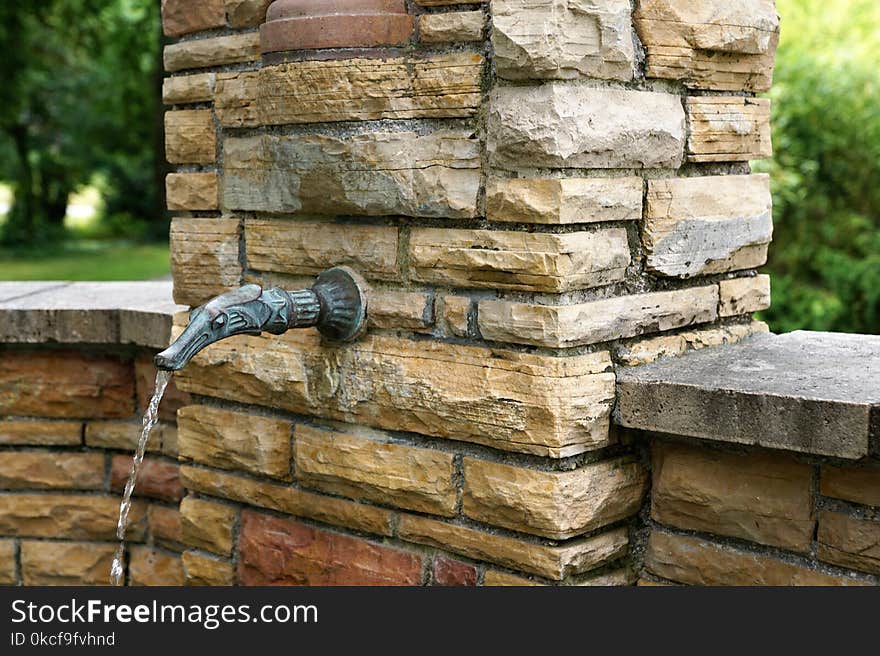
column 336, row 304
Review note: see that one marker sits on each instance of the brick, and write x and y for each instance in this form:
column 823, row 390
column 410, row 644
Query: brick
column 289, row 500
column 152, row 567
column 539, row 39
column 47, row 470
column 849, row 541
column 277, row 551
column 373, row 469
column 145, row 379
column 65, row 384
column 760, row 497
column 518, row 261
column 455, row 312
column 217, row 51
column 728, row 129
column 570, row 125
column 744, row 295
column 8, row 567
column 246, row 13
column 552, row 504
column 698, row 562
column 553, row 406
column 21, row 432
column 190, row 137
column 66, row 563
column 200, row 569
column 207, row 525
column 185, row 89
column 450, row 572
column 596, row 321
column 192, row 191
column 452, row 27
column 165, row 528
column 391, row 309
column 856, row 484
column 204, row 258
column 122, row 435
column 564, row 201
column 703, row 225
column 553, row 562
column 181, row 17
column 158, row 478
column 235, row 440
column 68, row 516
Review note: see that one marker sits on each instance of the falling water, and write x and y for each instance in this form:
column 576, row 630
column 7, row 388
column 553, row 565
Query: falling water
column 151, row 417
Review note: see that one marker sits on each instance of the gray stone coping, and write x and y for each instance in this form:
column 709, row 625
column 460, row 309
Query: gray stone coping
column 138, row 313
column 810, row 392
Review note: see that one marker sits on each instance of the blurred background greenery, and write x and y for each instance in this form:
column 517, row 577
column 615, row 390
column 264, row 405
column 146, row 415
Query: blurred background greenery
column 82, row 165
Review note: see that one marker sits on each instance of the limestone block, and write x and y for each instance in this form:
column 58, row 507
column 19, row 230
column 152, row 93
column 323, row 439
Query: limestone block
column 455, row 312
column 651, row 349
column 518, row 260
column 216, row 51
column 8, row 574
column 23, row 432
column 553, row 504
column 370, row 173
column 744, row 295
column 183, row 89
column 374, row 469
column 513, row 401
column 391, row 309
column 46, row 470
column 190, row 137
column 236, row 99
column 712, row 44
column 452, row 27
column 204, row 258
column 65, row 563
column 856, row 484
column 564, row 201
column 67, row 516
column 207, row 525
column 596, row 321
column 246, row 13
column 199, row 569
column 154, row 567
column 565, row 125
column 181, row 17
column 849, row 541
column 122, row 435
column 757, row 497
column 698, row 226
column 192, row 191
column 728, row 129
column 563, row 39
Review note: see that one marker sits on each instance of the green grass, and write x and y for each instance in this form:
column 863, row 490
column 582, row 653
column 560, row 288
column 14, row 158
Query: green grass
column 86, row 260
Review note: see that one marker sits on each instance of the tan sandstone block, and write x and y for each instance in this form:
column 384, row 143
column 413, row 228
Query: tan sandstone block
column 455, row 312
column 375, row 470
column 23, row 432
column 164, row 526
column 199, row 569
column 757, row 497
column 517, row 260
column 181, row 17
column 122, row 435
column 66, row 563
column 68, row 516
column 246, row 13
column 552, row 562
column 703, row 225
column 8, row 574
column 497, row 578
column 207, row 525
column 192, row 191
column 728, row 129
column 444, row 3
column 148, row 566
column 849, row 541
column 190, row 137
column 204, row 258
column 452, row 27
column 216, row 51
column 574, row 125
column 552, row 406
column 552, row 504
column 183, row 89
column 651, row 349
column 47, row 470
column 390, row 309
column 596, row 321
column 744, row 295
column 563, row 39
column 235, row 440
column 859, row 485
column 564, row 201
column 236, row 99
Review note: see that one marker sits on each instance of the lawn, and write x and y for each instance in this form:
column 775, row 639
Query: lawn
column 86, row 260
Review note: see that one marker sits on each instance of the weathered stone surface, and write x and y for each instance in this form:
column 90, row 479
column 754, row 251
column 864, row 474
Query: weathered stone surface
column 458, row 26
column 164, row 524
column 204, row 258
column 563, row 201
column 8, row 574
column 496, row 578
column 563, row 39
column 181, row 17
column 217, row 51
column 615, row 578
column 651, row 349
column 552, row 504
column 552, row 406
column 235, row 440
column 371, row 173
column 183, row 89
column 371, row 468
column 744, row 295
column 764, row 498
column 390, row 309
column 310, row 248
column 565, row 125
column 804, row 391
column 66, row 563
column 199, row 569
column 148, row 566
column 158, row 478
column 444, row 3
column 728, row 129
column 553, row 562
column 207, row 525
column 596, row 321
column 451, row 572
column 859, row 485
column 68, row 516
column 286, row 499
column 698, row 226
column 713, row 44
column 315, row 91
column 697, row 562
column 455, row 312
column 275, row 551
column 192, row 191
column 174, row 399
column 517, row 260
column 246, row 13
column 849, row 542
column 65, row 384
column 47, row 470
column 121, row 435
column 20, row 432
column 190, row 137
